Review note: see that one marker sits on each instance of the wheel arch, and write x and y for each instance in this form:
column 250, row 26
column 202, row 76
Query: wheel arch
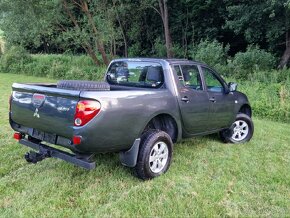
column 246, row 109
column 164, row 121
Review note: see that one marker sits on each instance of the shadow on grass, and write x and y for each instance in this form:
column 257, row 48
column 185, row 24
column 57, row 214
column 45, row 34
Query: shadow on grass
column 108, row 166
column 198, row 140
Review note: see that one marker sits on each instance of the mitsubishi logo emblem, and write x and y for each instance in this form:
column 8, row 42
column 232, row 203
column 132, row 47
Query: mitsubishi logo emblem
column 36, row 114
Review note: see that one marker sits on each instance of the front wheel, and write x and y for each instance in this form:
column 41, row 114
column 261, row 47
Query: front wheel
column 241, row 131
column 154, row 155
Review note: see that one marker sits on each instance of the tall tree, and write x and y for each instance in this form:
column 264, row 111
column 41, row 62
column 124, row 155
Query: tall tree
column 86, row 22
column 65, row 23
column 162, row 10
column 286, row 55
column 28, row 23
column 263, row 22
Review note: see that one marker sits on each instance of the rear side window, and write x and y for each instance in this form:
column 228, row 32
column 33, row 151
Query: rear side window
column 189, row 76
column 136, row 74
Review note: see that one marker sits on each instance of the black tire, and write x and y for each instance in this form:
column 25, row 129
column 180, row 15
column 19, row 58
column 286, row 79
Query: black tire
column 83, row 85
column 231, row 136
column 150, row 139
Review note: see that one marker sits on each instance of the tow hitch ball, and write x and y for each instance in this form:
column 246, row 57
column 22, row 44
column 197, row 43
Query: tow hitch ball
column 34, row 157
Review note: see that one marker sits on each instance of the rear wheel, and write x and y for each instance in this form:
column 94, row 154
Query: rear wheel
column 241, row 131
column 154, row 155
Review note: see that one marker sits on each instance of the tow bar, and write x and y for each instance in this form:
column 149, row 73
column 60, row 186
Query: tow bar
column 34, row 157
column 45, row 151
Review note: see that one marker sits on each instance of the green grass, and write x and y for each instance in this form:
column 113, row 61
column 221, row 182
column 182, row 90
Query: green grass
column 206, row 178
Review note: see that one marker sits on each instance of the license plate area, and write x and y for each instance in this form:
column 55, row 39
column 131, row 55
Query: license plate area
column 43, row 136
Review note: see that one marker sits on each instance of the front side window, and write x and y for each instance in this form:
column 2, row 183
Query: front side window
column 136, row 74
column 212, row 82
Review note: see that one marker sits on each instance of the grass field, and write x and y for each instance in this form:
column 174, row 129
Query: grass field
column 206, row 178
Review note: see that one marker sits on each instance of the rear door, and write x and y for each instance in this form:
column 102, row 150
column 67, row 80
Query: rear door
column 221, row 108
column 193, row 99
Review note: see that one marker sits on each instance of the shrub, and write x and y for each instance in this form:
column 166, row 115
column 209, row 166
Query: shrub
column 2, row 46
column 254, row 59
column 273, row 76
column 14, row 59
column 58, row 67
column 212, row 53
column 134, row 50
column 159, row 48
column 270, row 101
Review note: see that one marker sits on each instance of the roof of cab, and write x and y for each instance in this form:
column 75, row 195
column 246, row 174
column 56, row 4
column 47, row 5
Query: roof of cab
column 169, row 60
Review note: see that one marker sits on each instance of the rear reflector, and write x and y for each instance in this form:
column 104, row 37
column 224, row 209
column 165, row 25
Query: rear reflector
column 77, row 140
column 17, row 136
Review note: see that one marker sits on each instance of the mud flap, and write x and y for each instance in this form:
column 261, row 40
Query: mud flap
column 129, row 158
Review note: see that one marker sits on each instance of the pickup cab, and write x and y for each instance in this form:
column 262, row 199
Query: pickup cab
column 142, row 107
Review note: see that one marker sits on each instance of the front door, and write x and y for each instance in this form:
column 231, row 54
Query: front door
column 221, row 103
column 193, row 99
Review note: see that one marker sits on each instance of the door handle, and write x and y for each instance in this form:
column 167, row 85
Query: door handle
column 185, row 99
column 212, row 99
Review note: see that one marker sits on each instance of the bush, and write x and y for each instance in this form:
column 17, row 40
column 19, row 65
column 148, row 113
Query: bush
column 254, row 59
column 159, row 48
column 212, row 53
column 2, row 46
column 58, row 67
column 14, row 59
column 270, row 100
column 268, row 93
column 270, row 77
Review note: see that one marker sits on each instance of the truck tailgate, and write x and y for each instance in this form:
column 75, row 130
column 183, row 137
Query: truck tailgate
column 44, row 108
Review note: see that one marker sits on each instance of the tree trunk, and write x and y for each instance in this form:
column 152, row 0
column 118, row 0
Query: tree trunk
column 92, row 54
column 101, row 49
column 123, row 34
column 100, row 45
column 85, row 45
column 285, row 58
column 164, row 15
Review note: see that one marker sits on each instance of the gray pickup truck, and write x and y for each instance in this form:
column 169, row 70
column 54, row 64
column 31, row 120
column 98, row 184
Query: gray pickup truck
column 142, row 107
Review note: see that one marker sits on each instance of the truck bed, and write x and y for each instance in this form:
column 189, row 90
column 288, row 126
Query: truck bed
column 125, row 111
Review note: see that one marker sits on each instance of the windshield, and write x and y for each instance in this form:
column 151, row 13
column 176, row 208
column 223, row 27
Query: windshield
column 136, row 73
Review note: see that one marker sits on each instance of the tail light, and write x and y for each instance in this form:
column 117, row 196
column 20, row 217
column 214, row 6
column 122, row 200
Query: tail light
column 17, row 136
column 85, row 111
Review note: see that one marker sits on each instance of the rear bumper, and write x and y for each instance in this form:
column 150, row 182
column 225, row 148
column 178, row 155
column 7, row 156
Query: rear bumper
column 47, row 151
column 43, row 136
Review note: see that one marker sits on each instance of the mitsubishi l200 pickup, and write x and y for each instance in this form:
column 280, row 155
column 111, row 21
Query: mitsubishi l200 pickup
column 142, row 107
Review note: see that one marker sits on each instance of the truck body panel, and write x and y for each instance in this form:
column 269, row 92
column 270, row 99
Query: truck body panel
column 44, row 111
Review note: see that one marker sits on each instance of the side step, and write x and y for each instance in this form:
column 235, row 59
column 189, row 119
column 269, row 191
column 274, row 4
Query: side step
column 45, row 151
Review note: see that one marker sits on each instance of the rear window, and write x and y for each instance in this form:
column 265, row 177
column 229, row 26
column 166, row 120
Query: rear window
column 136, row 74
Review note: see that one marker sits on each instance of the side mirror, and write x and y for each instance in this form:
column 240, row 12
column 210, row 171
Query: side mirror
column 233, row 87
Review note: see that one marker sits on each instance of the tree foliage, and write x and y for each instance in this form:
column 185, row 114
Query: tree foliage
column 263, row 22
column 212, row 53
column 107, row 28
